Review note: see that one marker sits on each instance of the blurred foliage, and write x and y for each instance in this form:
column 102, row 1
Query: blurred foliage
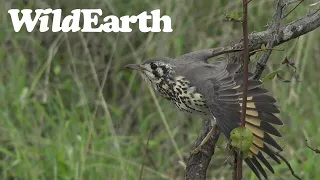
column 69, row 111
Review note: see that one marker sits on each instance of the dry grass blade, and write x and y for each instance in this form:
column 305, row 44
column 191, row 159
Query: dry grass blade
column 144, row 155
column 104, row 106
column 52, row 51
column 164, row 120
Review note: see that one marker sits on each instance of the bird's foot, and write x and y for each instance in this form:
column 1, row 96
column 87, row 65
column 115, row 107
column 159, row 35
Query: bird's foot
column 197, row 150
column 203, row 142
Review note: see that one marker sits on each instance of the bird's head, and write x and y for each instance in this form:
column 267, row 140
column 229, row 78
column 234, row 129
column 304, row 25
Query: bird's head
column 154, row 69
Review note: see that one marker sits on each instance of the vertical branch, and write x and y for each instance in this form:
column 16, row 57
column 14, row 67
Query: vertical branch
column 245, row 79
column 235, row 167
column 245, row 60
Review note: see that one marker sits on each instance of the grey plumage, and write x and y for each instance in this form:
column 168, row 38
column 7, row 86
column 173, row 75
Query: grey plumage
column 214, row 89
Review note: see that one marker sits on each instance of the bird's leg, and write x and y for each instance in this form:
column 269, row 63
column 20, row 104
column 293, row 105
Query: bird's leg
column 230, row 152
column 204, row 141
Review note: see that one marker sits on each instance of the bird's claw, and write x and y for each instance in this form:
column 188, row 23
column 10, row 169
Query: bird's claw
column 197, row 150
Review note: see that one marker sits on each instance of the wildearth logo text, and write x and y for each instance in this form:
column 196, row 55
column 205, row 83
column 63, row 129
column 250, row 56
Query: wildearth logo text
column 90, row 17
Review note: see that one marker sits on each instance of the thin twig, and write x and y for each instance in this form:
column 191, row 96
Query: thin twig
column 166, row 125
column 144, row 155
column 210, row 53
column 245, row 60
column 316, row 11
column 54, row 47
column 288, row 165
column 220, row 51
column 245, row 80
column 292, row 9
column 52, row 51
column 264, row 50
column 248, row 2
column 106, row 71
column 314, row 149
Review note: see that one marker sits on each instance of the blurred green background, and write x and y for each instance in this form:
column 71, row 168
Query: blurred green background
column 69, row 111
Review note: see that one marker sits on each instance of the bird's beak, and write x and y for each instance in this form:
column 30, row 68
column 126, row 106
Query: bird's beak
column 134, row 66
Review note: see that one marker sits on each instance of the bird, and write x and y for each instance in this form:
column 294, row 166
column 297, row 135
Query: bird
column 215, row 89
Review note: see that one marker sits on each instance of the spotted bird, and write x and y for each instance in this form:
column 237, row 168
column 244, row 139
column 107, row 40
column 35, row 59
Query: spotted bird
column 214, row 89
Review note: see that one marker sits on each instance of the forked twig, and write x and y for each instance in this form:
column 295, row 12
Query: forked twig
column 313, row 149
column 288, row 165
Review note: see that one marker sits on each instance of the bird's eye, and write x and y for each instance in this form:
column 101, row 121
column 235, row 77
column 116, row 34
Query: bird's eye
column 153, row 66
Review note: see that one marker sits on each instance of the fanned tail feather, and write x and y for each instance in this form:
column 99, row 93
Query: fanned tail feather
column 260, row 116
column 260, row 120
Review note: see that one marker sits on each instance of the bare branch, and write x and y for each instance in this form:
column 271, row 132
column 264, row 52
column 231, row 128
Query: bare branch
column 287, row 32
column 197, row 164
column 274, row 28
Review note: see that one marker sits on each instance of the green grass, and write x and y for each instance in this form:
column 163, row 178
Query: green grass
column 69, row 111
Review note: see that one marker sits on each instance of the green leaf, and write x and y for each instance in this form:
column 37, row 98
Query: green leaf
column 242, row 138
column 271, row 75
column 234, row 16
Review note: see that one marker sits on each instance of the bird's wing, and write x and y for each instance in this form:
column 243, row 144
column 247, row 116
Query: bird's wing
column 223, row 92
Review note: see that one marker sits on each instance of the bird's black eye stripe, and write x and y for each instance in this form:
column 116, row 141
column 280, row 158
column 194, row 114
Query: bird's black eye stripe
column 153, row 66
column 156, row 73
column 164, row 69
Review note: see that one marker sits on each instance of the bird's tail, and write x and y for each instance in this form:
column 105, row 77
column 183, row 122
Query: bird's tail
column 260, row 120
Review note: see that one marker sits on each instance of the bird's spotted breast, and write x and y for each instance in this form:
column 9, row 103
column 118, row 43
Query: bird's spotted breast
column 183, row 95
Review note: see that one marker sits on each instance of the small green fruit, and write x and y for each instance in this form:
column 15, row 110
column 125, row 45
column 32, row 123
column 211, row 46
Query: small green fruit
column 242, row 138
